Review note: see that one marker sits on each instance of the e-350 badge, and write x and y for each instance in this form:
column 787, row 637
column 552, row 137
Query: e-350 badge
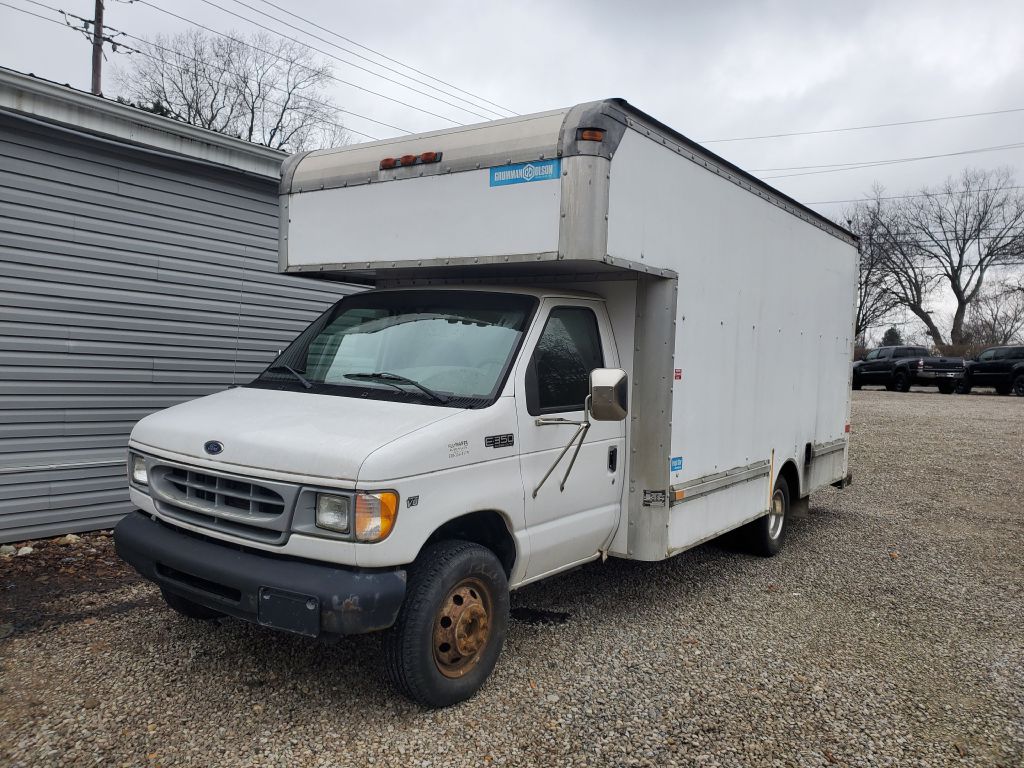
column 499, row 441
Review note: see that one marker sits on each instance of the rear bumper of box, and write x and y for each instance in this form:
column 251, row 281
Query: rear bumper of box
column 274, row 591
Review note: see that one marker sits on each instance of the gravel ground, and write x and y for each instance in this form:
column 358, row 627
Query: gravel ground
column 888, row 632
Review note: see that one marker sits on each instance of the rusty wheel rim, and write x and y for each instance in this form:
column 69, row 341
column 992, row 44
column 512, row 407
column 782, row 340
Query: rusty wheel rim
column 462, row 628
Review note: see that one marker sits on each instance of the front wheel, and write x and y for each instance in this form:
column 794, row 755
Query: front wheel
column 1018, row 385
column 963, row 387
column 452, row 625
column 766, row 535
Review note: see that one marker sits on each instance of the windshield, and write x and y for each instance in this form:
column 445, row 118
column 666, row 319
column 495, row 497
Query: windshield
column 442, row 347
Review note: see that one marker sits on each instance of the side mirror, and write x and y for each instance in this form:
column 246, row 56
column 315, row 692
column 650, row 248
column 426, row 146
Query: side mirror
column 609, row 394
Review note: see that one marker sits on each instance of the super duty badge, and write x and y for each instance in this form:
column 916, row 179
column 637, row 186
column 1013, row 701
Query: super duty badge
column 499, row 441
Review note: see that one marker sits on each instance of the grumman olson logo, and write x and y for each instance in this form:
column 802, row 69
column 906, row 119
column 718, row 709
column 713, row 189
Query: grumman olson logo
column 524, row 172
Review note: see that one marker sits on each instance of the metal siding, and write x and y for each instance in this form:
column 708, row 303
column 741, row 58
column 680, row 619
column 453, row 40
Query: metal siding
column 128, row 283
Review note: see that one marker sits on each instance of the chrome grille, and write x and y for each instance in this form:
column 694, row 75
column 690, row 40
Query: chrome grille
column 244, row 507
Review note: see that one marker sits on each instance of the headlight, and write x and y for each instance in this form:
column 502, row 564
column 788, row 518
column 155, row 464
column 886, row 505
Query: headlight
column 375, row 515
column 137, row 470
column 332, row 512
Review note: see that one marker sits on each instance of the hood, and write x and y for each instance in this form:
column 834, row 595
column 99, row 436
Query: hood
column 289, row 432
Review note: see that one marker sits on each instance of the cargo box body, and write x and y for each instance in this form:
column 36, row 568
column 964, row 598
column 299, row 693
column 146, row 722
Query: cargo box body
column 731, row 304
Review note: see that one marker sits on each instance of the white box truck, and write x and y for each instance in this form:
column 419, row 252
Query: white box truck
column 587, row 337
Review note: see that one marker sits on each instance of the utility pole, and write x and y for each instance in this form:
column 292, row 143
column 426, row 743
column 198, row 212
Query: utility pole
column 97, row 50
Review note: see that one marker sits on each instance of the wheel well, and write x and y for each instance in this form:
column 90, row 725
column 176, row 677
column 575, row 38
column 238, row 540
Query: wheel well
column 789, row 471
column 486, row 528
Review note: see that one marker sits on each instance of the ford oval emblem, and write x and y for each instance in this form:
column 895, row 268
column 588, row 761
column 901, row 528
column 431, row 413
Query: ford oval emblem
column 213, row 447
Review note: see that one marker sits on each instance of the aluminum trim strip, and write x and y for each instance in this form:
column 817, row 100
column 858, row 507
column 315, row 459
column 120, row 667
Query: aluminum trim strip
column 702, row 486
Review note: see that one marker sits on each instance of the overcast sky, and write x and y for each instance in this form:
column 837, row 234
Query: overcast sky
column 711, row 70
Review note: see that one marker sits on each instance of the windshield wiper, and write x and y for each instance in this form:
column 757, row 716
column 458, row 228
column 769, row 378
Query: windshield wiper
column 394, row 378
column 293, row 372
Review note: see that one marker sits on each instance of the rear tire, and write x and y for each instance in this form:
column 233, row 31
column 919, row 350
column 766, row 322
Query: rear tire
column 946, row 387
column 1018, row 385
column 186, row 607
column 902, row 382
column 856, row 383
column 766, row 535
column 452, row 624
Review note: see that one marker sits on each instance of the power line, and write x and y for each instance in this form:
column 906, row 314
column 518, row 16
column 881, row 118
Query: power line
column 834, row 168
column 388, row 58
column 322, row 52
column 367, row 59
column 281, row 58
column 904, row 197
column 219, row 69
column 156, row 58
column 864, row 127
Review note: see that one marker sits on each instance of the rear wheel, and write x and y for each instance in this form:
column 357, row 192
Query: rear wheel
column 766, row 535
column 186, row 607
column 946, row 387
column 902, row 382
column 452, row 625
column 1018, row 385
column 856, row 383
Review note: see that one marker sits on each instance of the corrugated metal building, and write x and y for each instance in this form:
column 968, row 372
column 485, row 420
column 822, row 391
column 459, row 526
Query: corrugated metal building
column 138, row 268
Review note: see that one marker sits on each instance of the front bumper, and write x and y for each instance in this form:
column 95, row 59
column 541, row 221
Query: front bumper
column 300, row 596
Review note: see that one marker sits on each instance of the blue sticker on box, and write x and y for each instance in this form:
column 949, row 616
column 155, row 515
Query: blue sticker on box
column 520, row 173
column 677, row 463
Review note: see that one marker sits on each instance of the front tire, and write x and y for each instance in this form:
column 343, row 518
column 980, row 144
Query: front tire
column 1018, row 385
column 186, row 607
column 766, row 535
column 452, row 625
column 963, row 387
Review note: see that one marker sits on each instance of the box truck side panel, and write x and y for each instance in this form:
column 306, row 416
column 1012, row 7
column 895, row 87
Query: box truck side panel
column 764, row 327
column 458, row 215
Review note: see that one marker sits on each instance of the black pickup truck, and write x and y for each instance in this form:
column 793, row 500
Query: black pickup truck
column 999, row 367
column 900, row 368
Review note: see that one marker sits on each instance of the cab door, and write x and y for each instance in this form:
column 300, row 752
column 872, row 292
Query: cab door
column 983, row 371
column 567, row 523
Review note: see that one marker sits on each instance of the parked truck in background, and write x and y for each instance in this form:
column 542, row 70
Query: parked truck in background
column 998, row 367
column 587, row 337
column 900, row 368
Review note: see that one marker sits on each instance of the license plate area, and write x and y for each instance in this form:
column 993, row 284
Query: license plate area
column 289, row 611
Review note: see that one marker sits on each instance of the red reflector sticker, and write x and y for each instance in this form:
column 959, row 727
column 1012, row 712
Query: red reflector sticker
column 848, row 428
column 678, row 374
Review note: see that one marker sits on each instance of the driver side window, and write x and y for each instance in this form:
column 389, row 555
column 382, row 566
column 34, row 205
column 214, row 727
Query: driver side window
column 569, row 348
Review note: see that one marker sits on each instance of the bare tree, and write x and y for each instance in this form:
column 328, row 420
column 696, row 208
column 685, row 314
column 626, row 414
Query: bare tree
column 953, row 234
column 260, row 88
column 875, row 300
column 996, row 316
column 907, row 280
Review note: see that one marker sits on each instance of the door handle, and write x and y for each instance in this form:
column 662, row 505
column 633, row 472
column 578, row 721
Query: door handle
column 613, row 458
